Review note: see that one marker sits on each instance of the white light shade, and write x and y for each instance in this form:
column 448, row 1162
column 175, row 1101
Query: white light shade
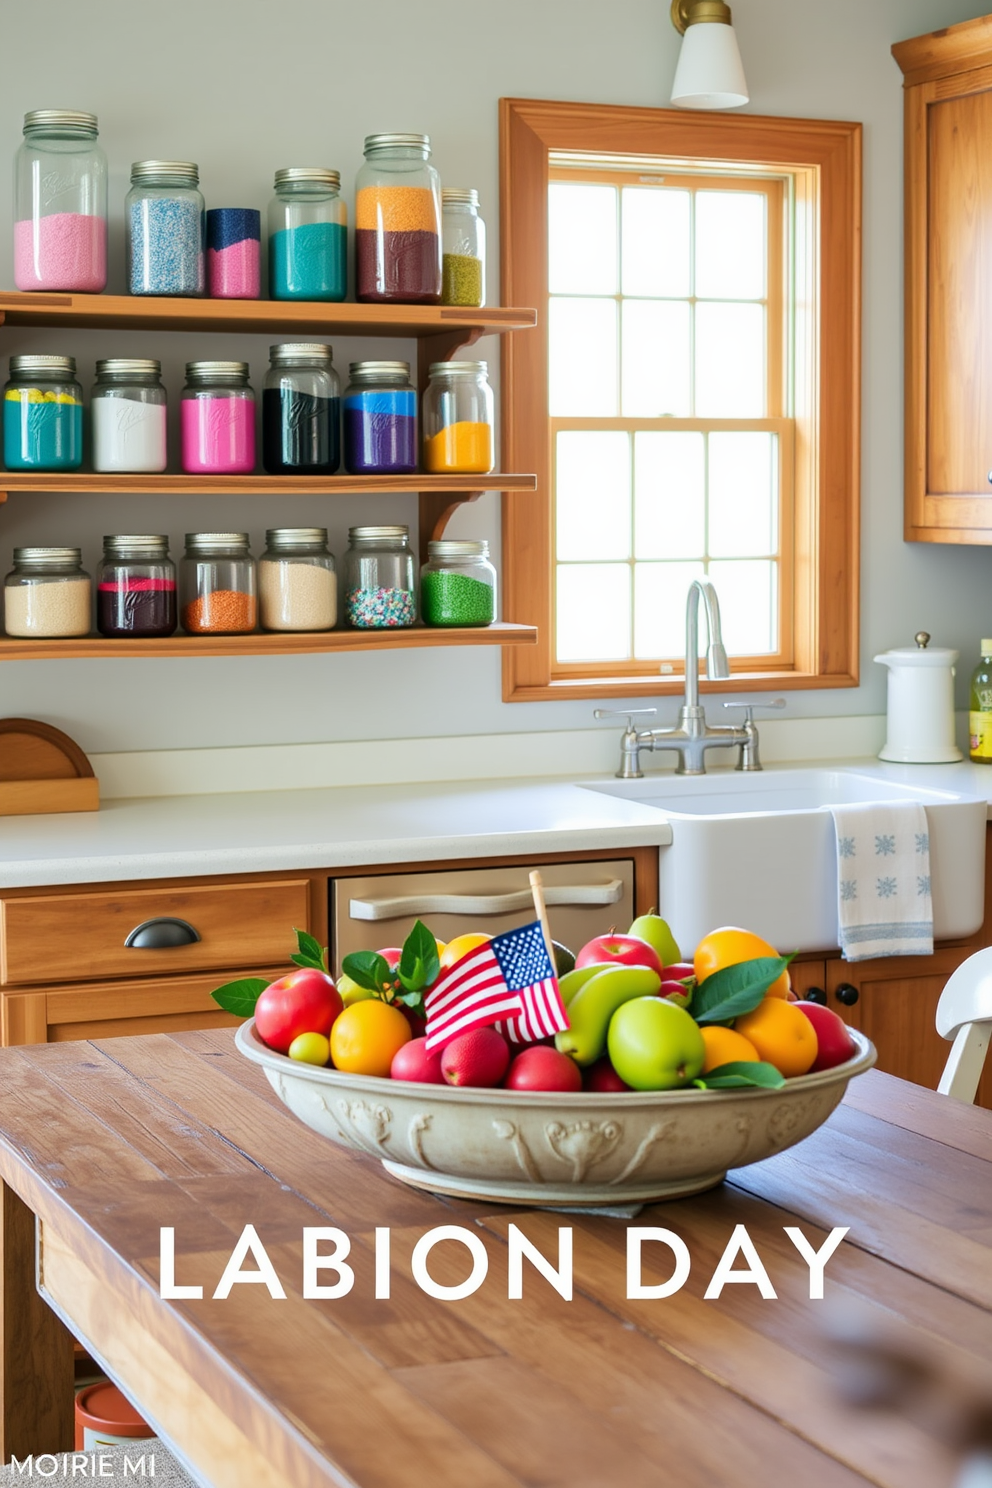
column 709, row 74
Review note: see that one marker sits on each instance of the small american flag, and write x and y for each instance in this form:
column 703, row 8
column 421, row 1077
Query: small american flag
column 508, row 981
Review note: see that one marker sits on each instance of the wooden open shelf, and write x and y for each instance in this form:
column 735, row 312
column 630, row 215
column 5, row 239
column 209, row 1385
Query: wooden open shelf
column 283, row 644
column 85, row 483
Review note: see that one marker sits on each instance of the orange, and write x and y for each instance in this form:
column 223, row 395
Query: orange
column 366, row 1035
column 459, row 947
column 728, row 946
column 725, row 1046
column 782, row 1035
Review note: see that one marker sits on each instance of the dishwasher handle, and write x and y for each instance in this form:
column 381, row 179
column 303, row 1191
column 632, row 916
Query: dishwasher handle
column 483, row 904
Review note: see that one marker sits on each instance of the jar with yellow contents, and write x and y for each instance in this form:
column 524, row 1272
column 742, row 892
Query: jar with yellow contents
column 458, row 420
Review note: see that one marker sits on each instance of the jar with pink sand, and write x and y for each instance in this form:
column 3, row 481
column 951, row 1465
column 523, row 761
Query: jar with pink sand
column 217, row 419
column 60, row 204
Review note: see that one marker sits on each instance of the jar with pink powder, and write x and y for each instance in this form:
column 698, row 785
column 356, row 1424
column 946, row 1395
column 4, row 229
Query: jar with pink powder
column 217, row 419
column 60, row 204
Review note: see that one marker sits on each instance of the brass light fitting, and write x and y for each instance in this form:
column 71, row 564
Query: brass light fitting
column 686, row 13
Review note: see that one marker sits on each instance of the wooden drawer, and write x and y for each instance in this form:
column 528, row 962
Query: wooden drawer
column 80, row 937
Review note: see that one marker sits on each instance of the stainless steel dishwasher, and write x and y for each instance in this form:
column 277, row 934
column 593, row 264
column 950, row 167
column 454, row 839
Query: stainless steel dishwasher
column 584, row 899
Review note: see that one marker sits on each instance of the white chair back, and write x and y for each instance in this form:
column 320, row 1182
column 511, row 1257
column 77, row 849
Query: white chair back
column 964, row 1015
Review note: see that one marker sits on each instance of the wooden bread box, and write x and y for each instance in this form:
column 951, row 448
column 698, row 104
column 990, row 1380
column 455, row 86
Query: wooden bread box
column 43, row 770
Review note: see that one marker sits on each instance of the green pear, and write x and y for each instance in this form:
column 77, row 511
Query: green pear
column 654, row 1045
column 652, row 928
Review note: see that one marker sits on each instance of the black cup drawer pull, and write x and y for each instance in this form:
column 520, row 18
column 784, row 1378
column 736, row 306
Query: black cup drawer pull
column 815, row 994
column 847, row 994
column 161, row 934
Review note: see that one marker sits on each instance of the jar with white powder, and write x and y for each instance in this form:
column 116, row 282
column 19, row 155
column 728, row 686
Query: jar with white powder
column 128, row 415
column 47, row 594
column 297, row 582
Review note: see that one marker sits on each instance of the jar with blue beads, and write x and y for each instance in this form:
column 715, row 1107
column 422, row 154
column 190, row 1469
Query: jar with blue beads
column 42, row 414
column 308, row 235
column 165, row 220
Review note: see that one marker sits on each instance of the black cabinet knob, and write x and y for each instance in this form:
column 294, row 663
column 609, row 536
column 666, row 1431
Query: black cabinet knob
column 161, row 934
column 815, row 994
column 847, row 994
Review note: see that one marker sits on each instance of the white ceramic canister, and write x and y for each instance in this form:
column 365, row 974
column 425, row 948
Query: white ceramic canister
column 921, row 704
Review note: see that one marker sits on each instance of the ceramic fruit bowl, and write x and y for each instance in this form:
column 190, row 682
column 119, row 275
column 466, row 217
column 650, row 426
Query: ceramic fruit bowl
column 548, row 1148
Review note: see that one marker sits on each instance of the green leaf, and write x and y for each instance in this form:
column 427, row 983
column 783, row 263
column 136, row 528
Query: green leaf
column 368, row 969
column 240, row 997
column 741, row 1072
column 310, row 952
column 419, row 964
column 413, row 1000
column 735, row 990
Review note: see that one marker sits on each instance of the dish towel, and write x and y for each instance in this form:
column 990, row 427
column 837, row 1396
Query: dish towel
column 884, row 906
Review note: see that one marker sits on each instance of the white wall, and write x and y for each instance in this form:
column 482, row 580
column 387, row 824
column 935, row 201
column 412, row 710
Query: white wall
column 245, row 86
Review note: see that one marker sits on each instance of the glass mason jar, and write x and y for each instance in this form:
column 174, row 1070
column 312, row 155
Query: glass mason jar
column 60, row 203
column 380, row 419
column 308, row 235
column 301, row 411
column 47, row 593
column 127, row 415
column 398, row 221
column 234, row 253
column 217, row 419
column 458, row 584
column 379, row 578
column 165, row 222
column 217, row 584
column 463, row 248
column 136, row 587
column 458, row 419
column 297, row 581
column 42, row 414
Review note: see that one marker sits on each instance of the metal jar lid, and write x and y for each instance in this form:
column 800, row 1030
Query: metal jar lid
column 122, row 544
column 48, row 365
column 208, row 542
column 458, row 369
column 378, row 371
column 177, row 172
column 448, row 547
column 459, row 196
column 301, row 351
column 381, row 144
column 373, row 534
column 216, row 371
column 73, row 121
column 47, row 557
column 315, row 175
column 292, row 537
column 128, row 367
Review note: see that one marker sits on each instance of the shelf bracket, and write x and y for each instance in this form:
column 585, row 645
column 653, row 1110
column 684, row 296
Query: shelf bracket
column 436, row 511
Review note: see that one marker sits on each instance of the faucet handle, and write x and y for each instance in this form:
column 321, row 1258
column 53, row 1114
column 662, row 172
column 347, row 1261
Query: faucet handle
column 749, row 759
column 628, row 713
column 750, row 707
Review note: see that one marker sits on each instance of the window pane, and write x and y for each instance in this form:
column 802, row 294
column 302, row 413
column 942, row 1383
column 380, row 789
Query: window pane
column 582, row 340
column 655, row 242
column 748, row 606
column 743, row 491
column 730, row 245
column 660, row 591
column 582, row 239
column 655, row 351
column 669, row 495
column 593, row 601
column 730, row 361
column 592, row 496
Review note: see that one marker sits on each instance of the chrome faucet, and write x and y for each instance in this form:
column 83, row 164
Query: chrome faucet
column 692, row 735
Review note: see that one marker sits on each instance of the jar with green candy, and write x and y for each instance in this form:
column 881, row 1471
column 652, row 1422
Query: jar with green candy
column 458, row 584
column 463, row 248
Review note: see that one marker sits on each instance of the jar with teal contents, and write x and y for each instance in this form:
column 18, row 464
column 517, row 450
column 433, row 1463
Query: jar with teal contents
column 308, row 231
column 458, row 583
column 42, row 414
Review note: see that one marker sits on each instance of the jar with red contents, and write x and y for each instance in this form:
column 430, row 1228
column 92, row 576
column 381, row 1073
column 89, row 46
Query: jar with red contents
column 398, row 222
column 136, row 587
column 218, row 584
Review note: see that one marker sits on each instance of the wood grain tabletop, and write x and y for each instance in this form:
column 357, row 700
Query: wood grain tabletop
column 107, row 1142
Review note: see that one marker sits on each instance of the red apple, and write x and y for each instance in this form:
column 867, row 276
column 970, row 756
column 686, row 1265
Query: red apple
column 541, row 1068
column 479, row 1057
column 391, row 955
column 679, row 970
column 413, row 1062
column 303, row 1001
column 602, row 1078
column 834, row 1042
column 627, row 950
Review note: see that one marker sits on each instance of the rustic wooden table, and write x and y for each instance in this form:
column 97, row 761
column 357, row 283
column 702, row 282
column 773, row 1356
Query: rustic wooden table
column 104, row 1143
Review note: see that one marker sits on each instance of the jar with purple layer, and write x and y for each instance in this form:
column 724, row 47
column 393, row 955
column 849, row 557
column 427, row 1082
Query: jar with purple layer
column 217, row 419
column 136, row 587
column 60, row 204
column 380, row 419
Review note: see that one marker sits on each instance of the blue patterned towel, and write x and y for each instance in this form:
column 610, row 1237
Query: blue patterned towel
column 883, row 880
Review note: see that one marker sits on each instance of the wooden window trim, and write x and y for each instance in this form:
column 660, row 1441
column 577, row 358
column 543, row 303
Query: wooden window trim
column 823, row 159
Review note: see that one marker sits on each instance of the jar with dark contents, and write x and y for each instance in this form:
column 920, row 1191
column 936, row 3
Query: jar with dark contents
column 136, row 587
column 301, row 411
column 217, row 584
column 380, row 419
column 379, row 579
column 398, row 222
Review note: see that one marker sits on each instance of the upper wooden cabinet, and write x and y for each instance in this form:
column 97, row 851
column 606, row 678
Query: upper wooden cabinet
column 948, row 90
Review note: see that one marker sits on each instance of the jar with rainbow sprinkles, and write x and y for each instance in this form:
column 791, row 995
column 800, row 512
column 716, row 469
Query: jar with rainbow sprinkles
column 60, row 203
column 398, row 222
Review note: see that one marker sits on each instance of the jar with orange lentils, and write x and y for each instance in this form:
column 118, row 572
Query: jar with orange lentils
column 217, row 584
column 398, row 222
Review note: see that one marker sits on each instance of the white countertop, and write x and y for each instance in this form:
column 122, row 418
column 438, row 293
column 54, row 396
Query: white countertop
column 262, row 831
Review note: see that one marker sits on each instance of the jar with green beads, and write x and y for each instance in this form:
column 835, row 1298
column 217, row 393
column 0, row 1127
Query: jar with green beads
column 463, row 248
column 458, row 584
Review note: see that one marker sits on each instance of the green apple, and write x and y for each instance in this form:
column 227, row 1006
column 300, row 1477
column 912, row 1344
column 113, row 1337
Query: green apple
column 654, row 1045
column 655, row 931
column 351, row 992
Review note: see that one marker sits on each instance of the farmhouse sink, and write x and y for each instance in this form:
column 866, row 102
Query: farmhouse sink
column 759, row 850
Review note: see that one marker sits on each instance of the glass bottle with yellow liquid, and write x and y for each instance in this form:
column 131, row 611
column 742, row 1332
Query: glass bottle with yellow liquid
column 980, row 705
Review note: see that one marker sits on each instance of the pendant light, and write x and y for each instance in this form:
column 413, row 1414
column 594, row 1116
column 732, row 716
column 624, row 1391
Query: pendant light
column 709, row 74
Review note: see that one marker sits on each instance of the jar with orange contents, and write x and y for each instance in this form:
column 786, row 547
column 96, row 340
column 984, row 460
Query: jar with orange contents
column 217, row 584
column 398, row 222
column 458, row 419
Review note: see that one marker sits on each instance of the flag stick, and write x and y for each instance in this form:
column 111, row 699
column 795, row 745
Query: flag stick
column 537, row 889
